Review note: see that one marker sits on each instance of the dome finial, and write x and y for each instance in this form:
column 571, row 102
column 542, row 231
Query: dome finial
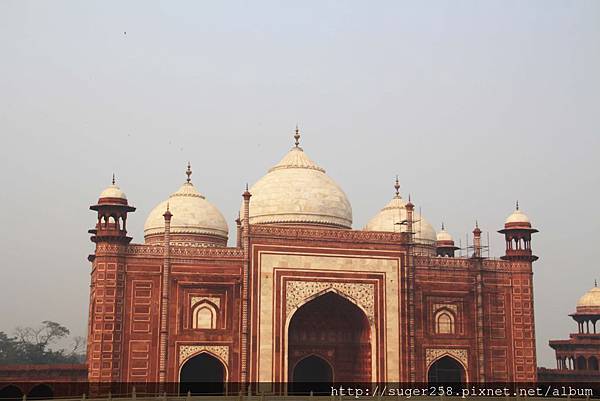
column 188, row 172
column 113, row 179
column 517, row 204
column 297, row 137
column 397, row 186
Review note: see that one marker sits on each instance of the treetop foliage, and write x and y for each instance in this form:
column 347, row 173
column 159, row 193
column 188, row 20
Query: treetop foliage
column 32, row 345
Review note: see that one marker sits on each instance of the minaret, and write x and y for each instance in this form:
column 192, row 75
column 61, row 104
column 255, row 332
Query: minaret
column 112, row 208
column 476, row 241
column 517, row 232
column 410, row 207
column 164, row 303
column 107, row 289
column 444, row 244
column 245, row 289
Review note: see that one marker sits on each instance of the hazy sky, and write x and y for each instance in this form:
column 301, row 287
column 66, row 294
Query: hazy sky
column 474, row 104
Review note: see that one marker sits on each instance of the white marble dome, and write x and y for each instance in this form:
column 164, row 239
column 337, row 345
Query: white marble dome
column 297, row 191
column 517, row 217
column 444, row 235
column 590, row 301
column 113, row 191
column 193, row 216
column 390, row 217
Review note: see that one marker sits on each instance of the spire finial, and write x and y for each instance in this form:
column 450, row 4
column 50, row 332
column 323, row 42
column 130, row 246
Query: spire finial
column 409, row 197
column 188, row 172
column 167, row 206
column 246, row 186
column 517, row 204
column 113, row 179
column 442, row 226
column 595, row 283
column 297, row 137
column 397, row 186
column 476, row 224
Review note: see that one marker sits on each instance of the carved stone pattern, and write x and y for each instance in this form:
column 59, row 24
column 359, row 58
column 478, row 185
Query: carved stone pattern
column 158, row 250
column 452, row 307
column 214, row 300
column 326, row 234
column 362, row 293
column 431, row 354
column 186, row 351
column 104, row 247
column 463, row 263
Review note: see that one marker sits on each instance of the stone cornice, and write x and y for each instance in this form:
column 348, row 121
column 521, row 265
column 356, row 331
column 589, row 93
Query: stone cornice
column 176, row 251
column 469, row 263
column 323, row 234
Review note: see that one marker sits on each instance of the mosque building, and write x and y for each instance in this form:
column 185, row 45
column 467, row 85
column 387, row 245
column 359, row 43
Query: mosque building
column 577, row 359
column 303, row 296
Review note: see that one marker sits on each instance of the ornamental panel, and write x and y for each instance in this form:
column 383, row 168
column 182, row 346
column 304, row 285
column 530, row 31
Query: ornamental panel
column 214, row 300
column 362, row 294
column 187, row 351
column 433, row 354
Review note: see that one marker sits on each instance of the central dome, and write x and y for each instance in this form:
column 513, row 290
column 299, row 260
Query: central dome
column 297, row 191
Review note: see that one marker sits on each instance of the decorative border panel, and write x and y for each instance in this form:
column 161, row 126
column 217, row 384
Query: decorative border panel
column 187, row 351
column 432, row 354
column 362, row 294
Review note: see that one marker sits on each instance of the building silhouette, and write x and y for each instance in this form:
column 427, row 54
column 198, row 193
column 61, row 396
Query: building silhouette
column 303, row 297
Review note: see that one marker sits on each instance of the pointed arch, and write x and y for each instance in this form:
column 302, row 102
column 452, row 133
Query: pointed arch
column 446, row 369
column 203, row 373
column 11, row 393
column 41, row 391
column 205, row 315
column 444, row 321
column 313, row 373
column 338, row 325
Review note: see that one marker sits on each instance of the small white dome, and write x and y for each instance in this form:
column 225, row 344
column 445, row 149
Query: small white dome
column 393, row 214
column 113, row 191
column 297, row 191
column 590, row 301
column 444, row 235
column 192, row 214
column 517, row 217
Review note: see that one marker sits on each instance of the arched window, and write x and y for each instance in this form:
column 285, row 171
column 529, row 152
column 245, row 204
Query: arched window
column 204, row 316
column 444, row 322
column 581, row 363
column 593, row 363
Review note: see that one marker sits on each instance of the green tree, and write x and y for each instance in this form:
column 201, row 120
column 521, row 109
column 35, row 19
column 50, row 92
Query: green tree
column 32, row 345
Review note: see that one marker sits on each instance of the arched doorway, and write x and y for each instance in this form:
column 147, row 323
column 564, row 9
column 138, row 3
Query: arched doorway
column 41, row 392
column 312, row 373
column 336, row 329
column 593, row 363
column 202, row 374
column 11, row 393
column 446, row 370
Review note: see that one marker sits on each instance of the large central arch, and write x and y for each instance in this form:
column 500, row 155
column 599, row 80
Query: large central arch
column 334, row 330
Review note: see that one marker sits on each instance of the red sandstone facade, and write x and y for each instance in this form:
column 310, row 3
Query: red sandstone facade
column 291, row 300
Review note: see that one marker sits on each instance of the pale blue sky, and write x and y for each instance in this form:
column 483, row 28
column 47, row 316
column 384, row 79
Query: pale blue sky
column 474, row 104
